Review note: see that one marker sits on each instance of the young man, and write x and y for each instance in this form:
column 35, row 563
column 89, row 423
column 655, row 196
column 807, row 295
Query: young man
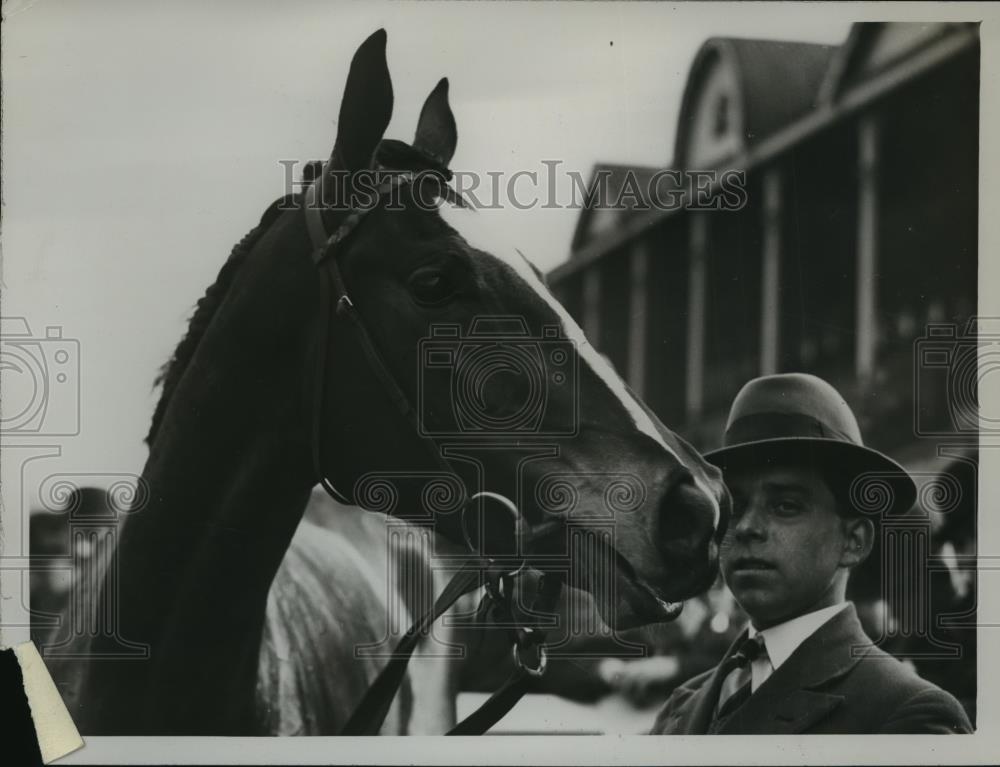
column 792, row 450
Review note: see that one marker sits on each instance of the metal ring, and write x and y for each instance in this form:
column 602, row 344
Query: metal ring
column 344, row 305
column 502, row 499
column 518, row 522
column 543, row 661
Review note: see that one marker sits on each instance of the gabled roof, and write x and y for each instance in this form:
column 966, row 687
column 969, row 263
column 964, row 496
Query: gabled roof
column 777, row 83
column 620, row 190
column 871, row 49
column 786, row 91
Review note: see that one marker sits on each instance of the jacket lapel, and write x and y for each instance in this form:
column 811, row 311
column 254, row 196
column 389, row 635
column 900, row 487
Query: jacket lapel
column 696, row 714
column 788, row 702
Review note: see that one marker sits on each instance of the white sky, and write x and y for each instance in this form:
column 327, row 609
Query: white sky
column 141, row 140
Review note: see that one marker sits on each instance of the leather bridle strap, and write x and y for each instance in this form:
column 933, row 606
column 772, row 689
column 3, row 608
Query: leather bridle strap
column 368, row 717
column 319, row 390
column 524, row 678
column 333, row 292
column 370, row 714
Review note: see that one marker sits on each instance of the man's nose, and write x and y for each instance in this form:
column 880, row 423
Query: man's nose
column 749, row 523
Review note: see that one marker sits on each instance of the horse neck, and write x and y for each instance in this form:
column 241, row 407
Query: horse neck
column 228, row 477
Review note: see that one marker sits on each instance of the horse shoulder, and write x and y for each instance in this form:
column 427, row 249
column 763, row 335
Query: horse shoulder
column 326, row 604
column 347, row 590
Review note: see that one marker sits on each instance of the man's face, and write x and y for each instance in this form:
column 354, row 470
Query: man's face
column 783, row 548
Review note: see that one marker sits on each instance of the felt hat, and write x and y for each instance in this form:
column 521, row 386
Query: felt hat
column 795, row 417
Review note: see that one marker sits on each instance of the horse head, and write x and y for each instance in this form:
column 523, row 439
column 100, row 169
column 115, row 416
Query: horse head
column 446, row 357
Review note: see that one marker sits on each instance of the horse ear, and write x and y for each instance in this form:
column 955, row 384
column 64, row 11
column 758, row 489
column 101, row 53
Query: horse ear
column 366, row 107
column 436, row 132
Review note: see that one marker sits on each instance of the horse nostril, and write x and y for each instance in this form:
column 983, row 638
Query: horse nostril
column 687, row 518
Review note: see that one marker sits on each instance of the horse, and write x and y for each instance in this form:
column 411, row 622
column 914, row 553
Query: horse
column 275, row 388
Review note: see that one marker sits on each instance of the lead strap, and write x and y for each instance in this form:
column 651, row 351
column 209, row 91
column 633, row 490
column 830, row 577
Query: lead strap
column 368, row 717
column 525, row 677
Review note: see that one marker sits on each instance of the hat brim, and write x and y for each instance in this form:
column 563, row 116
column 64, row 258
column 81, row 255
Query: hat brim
column 885, row 486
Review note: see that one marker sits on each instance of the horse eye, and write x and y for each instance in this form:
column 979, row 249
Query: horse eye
column 432, row 287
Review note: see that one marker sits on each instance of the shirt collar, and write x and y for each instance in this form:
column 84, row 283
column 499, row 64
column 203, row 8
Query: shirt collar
column 783, row 639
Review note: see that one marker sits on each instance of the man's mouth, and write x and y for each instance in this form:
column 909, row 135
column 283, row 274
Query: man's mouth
column 751, row 564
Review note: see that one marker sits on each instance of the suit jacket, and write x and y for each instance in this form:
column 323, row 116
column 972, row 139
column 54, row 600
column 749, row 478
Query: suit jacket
column 823, row 687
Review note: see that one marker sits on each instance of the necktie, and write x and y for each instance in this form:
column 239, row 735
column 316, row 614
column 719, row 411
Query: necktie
column 736, row 676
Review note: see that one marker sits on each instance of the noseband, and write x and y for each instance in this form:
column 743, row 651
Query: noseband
column 499, row 573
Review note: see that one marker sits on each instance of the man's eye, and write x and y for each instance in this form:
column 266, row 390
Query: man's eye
column 787, row 508
column 432, row 287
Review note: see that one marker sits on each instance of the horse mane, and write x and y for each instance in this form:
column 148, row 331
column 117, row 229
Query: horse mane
column 172, row 370
column 391, row 153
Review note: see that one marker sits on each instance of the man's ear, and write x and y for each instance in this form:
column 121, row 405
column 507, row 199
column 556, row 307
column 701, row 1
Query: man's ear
column 859, row 537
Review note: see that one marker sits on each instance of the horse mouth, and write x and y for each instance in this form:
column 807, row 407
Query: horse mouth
column 624, row 596
column 636, row 602
column 667, row 611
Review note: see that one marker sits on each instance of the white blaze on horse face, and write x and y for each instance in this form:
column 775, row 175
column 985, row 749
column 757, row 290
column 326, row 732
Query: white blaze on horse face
column 475, row 229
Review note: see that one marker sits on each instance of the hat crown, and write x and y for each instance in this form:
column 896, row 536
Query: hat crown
column 791, row 403
column 795, row 417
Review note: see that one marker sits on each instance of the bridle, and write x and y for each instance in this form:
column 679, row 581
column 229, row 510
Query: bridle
column 498, row 573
